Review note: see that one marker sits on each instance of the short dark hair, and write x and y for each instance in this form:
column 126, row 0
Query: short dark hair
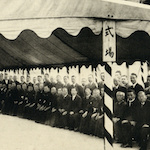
column 118, row 71
column 133, row 74
column 131, row 90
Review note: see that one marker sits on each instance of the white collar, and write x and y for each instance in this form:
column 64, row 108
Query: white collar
column 131, row 100
column 134, row 84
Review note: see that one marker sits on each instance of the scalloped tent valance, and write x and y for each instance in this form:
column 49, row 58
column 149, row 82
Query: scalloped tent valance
column 44, row 27
column 71, row 15
column 27, row 38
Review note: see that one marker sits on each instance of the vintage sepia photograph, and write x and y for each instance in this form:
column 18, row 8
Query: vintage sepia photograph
column 75, row 75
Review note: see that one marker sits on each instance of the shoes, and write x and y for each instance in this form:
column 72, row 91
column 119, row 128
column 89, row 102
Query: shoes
column 126, row 145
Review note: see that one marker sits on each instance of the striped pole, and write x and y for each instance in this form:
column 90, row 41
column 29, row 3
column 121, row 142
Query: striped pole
column 142, row 73
column 109, row 56
column 108, row 108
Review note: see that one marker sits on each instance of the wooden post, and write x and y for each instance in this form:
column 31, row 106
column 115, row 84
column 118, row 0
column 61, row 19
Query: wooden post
column 109, row 56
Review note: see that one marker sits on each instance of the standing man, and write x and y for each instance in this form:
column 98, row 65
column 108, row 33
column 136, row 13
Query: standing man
column 91, row 85
column 67, row 84
column 135, row 86
column 77, row 86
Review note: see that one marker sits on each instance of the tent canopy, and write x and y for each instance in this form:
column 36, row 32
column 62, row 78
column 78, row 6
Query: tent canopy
column 27, row 38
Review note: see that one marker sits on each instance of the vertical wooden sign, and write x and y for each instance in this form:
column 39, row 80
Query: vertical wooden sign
column 109, row 41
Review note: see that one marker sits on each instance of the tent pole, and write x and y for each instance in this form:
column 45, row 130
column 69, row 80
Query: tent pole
column 109, row 56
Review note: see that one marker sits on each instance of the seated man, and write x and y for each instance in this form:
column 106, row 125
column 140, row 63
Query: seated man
column 86, row 111
column 96, row 122
column 74, row 108
column 128, row 119
column 143, row 120
column 119, row 109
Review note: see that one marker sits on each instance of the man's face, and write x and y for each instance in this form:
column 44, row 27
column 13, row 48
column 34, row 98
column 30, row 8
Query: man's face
column 58, row 78
column 46, row 77
column 22, row 79
column 28, row 78
column 133, row 79
column 10, row 77
column 87, row 91
column 6, row 76
column 90, row 79
column 46, row 89
column 142, row 97
column 53, row 90
column 65, row 79
column 18, row 87
column 73, row 92
column 83, row 81
column 130, row 96
column 124, row 80
column 39, row 79
column 24, row 86
column 36, row 88
column 116, row 82
column 64, row 91
column 15, row 78
column 119, row 97
column 59, row 91
column 30, row 88
column 73, row 79
column 41, row 86
column 52, row 79
column 34, row 80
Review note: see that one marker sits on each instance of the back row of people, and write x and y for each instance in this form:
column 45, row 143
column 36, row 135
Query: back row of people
column 59, row 105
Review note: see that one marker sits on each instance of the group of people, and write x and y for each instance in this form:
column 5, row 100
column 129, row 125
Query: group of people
column 55, row 103
column 80, row 107
column 131, row 115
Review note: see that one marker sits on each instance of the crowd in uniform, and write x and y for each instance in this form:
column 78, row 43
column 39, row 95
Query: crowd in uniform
column 131, row 116
column 80, row 107
column 53, row 102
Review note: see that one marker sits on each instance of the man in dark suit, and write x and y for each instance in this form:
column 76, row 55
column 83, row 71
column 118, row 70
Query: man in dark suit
column 119, row 109
column 136, row 86
column 63, row 108
column 15, row 79
column 22, row 80
column 128, row 119
column 77, row 86
column 6, row 79
column 46, row 80
column 96, row 122
column 28, row 80
column 91, row 85
column 143, row 120
column 67, row 84
column 59, row 84
column 74, row 108
column 86, row 111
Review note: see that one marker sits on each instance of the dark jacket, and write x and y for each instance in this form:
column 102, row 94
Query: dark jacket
column 75, row 105
column 143, row 114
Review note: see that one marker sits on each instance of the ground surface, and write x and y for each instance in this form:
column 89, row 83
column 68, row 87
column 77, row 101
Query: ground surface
column 21, row 134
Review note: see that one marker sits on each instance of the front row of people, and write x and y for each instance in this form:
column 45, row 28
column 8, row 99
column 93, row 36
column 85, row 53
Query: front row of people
column 55, row 107
column 132, row 119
